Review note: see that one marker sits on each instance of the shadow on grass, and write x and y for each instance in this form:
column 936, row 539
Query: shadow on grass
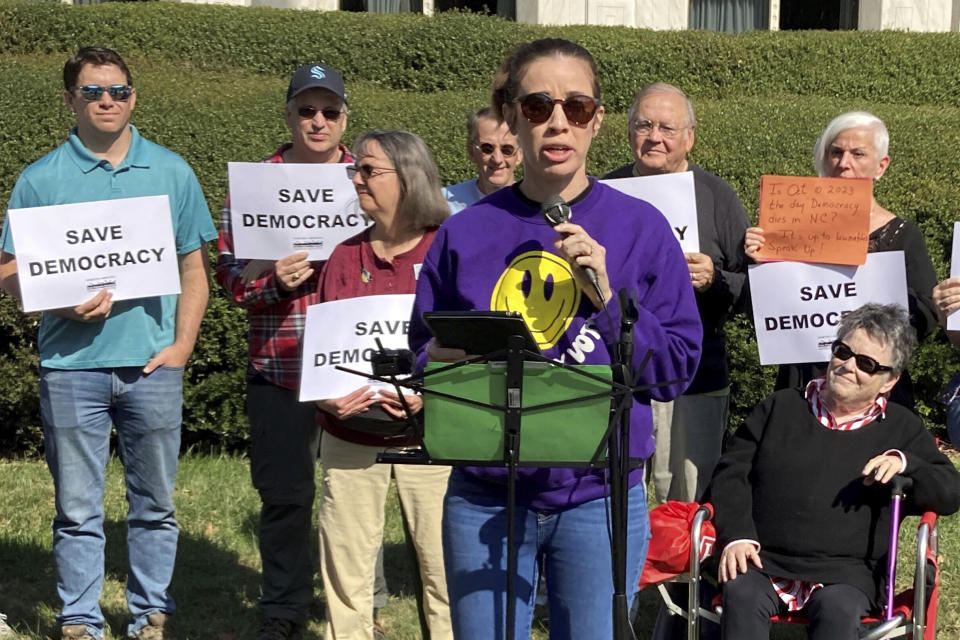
column 215, row 594
column 28, row 586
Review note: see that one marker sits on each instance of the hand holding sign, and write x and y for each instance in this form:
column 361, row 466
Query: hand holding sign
column 390, row 402
column 96, row 309
column 753, row 241
column 701, row 271
column 823, row 220
column 946, row 295
column 352, row 404
column 293, row 271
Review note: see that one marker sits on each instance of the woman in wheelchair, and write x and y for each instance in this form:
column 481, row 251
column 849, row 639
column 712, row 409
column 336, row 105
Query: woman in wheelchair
column 802, row 510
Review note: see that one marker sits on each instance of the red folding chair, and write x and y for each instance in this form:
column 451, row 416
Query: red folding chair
column 682, row 536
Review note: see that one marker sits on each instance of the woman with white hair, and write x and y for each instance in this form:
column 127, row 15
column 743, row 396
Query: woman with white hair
column 854, row 145
column 802, row 517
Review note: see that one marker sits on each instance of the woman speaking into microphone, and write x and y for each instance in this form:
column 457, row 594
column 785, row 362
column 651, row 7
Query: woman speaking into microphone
column 502, row 254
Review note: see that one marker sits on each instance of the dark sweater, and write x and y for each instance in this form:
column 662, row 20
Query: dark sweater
column 722, row 222
column 794, row 486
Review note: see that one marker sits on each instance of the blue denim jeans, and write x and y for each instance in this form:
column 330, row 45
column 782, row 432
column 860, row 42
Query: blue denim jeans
column 573, row 546
column 953, row 421
column 78, row 408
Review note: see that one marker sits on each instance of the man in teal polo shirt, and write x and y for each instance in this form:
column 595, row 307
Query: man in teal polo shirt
column 121, row 364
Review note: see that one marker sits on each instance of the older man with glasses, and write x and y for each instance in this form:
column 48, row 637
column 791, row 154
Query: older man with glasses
column 284, row 434
column 496, row 154
column 689, row 431
column 108, row 364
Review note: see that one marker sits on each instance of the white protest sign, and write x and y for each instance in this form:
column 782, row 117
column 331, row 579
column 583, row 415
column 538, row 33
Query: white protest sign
column 67, row 253
column 674, row 195
column 797, row 305
column 278, row 208
column 953, row 320
column 344, row 332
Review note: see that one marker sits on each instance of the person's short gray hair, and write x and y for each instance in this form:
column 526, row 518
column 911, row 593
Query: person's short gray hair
column 473, row 122
column 659, row 87
column 888, row 324
column 422, row 204
column 844, row 121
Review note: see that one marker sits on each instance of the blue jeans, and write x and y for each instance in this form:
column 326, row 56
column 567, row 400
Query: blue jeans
column 78, row 408
column 572, row 544
column 953, row 421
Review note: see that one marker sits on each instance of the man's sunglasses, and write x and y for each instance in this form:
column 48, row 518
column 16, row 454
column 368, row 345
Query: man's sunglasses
column 487, row 149
column 865, row 363
column 92, row 92
column 329, row 113
column 538, row 107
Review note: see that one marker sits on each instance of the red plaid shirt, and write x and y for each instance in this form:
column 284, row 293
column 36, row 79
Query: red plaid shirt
column 796, row 593
column 276, row 316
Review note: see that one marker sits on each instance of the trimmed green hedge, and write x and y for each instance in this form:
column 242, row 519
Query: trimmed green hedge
column 458, row 51
column 211, row 82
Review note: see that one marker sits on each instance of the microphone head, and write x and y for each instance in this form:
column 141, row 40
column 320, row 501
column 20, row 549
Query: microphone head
column 555, row 210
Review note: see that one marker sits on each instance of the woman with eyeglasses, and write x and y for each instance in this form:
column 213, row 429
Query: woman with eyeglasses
column 801, row 507
column 854, row 145
column 501, row 254
column 398, row 187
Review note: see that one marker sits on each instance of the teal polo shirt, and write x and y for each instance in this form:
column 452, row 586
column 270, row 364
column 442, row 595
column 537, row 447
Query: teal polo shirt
column 136, row 329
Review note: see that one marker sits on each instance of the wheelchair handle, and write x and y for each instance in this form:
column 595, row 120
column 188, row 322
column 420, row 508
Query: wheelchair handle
column 900, row 485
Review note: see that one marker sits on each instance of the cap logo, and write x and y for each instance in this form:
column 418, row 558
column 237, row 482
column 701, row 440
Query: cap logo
column 318, row 73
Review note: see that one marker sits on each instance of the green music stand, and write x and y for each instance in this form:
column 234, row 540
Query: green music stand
column 465, row 414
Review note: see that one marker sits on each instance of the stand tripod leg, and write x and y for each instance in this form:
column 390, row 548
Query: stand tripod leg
column 511, row 451
column 511, row 610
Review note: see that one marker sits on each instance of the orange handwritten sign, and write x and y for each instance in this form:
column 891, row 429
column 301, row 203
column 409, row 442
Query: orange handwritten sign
column 815, row 219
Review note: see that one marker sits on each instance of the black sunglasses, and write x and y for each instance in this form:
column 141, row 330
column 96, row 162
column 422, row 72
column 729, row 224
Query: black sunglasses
column 864, row 363
column 92, row 92
column 487, row 149
column 366, row 171
column 538, row 107
column 329, row 113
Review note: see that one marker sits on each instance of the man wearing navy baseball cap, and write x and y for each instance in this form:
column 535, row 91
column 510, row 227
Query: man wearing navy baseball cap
column 284, row 435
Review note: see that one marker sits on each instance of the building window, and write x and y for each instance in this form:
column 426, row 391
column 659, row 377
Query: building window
column 730, row 16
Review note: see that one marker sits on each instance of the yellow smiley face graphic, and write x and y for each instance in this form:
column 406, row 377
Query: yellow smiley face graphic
column 540, row 287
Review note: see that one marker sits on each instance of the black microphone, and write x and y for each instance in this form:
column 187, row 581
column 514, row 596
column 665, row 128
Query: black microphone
column 556, row 211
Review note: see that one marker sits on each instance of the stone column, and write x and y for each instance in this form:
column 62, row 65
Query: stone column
column 554, row 12
column 663, row 14
column 908, row 15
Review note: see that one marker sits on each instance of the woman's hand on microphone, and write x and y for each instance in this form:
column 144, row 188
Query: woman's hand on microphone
column 577, row 247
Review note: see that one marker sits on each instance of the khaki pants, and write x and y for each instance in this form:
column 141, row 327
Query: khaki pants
column 689, row 435
column 351, row 532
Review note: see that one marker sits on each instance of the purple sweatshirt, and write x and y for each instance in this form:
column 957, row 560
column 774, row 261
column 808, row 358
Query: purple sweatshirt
column 498, row 254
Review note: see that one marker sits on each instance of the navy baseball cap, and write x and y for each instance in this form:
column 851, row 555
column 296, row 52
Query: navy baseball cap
column 316, row 76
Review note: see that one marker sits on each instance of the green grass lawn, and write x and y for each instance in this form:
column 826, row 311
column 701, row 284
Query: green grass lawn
column 216, row 583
